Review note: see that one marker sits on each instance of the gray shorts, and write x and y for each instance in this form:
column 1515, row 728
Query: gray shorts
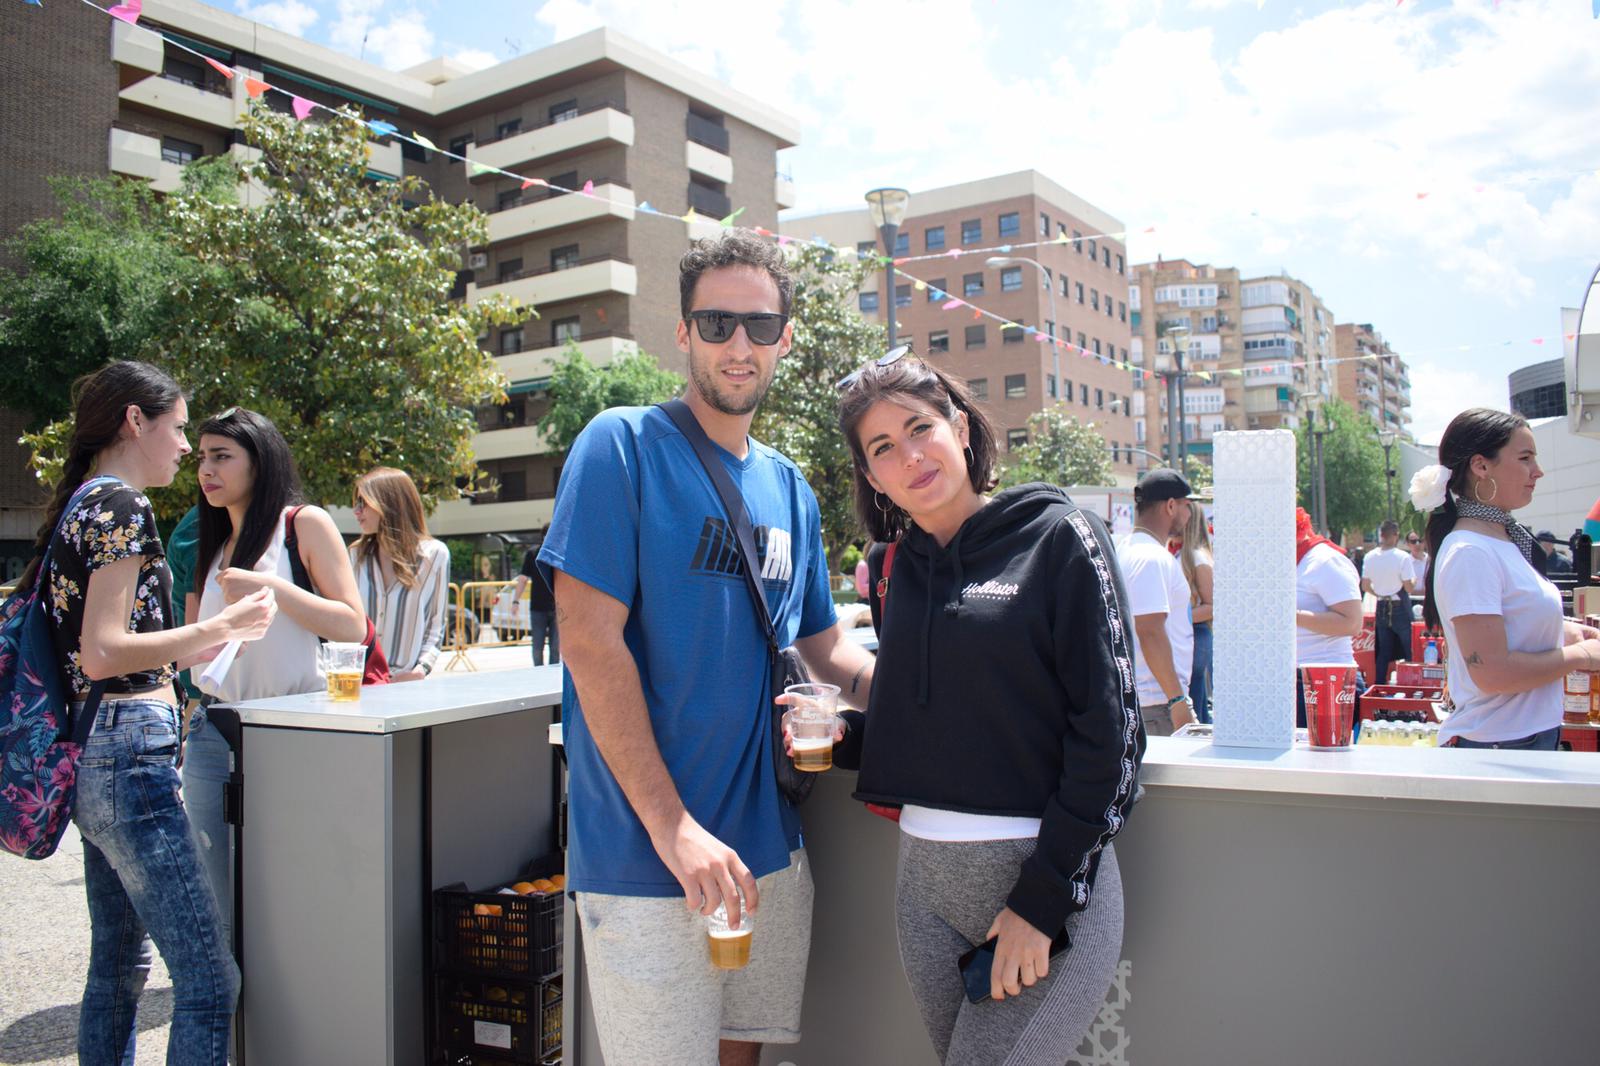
column 657, row 998
column 1157, row 719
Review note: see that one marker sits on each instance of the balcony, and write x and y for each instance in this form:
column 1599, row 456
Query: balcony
column 1276, row 325
column 783, row 191
column 533, row 364
column 707, row 161
column 454, row 518
column 509, row 443
column 188, row 102
column 1275, row 377
column 136, row 154
column 137, row 48
column 544, row 210
column 709, row 201
column 385, row 159
column 703, row 131
column 605, row 273
column 605, row 122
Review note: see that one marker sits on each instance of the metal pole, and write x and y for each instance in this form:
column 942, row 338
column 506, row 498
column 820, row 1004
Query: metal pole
column 888, row 232
column 1183, row 421
column 1388, row 477
column 1322, row 481
column 1172, row 419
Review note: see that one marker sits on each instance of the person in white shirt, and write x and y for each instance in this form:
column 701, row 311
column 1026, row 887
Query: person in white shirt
column 1419, row 566
column 1327, row 601
column 1390, row 576
column 402, row 574
column 1509, row 645
column 1158, row 599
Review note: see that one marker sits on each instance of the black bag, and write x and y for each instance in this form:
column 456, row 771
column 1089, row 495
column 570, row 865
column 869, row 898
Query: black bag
column 787, row 668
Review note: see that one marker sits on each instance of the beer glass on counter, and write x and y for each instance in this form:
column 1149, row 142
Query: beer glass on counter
column 813, row 717
column 344, row 663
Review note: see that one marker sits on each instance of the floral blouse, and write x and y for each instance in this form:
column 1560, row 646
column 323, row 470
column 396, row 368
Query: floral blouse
column 113, row 522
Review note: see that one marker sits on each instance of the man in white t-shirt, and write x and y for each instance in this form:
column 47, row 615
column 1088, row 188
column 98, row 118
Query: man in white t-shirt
column 1389, row 574
column 1327, row 604
column 1419, row 565
column 1158, row 599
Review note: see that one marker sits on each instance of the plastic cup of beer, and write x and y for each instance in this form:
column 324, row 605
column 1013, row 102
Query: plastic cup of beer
column 1330, row 704
column 344, row 664
column 730, row 948
column 813, row 717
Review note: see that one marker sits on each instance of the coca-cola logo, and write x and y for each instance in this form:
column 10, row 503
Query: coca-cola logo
column 1366, row 641
column 1346, row 694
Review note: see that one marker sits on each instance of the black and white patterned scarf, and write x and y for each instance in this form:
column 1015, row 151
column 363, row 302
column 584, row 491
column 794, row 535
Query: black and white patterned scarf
column 1520, row 535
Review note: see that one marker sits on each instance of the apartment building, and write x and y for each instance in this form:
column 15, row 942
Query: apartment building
column 1077, row 291
column 1258, row 351
column 597, row 108
column 1372, row 378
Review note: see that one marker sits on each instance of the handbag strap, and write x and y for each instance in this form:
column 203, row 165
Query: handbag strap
column 291, row 544
column 733, row 504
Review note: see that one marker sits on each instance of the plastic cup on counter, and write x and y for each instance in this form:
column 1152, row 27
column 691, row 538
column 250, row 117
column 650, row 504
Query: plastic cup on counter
column 1330, row 704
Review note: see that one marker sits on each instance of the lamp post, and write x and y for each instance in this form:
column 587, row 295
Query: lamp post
column 888, row 209
column 1177, row 430
column 1387, row 438
column 1319, row 495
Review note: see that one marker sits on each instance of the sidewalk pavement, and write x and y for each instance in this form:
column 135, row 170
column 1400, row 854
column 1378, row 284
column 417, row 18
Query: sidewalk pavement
column 44, row 944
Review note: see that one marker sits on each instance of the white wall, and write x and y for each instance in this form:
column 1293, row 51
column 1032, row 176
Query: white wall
column 1571, row 481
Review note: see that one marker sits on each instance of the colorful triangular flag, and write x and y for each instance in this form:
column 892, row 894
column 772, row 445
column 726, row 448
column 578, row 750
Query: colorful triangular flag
column 254, row 87
column 225, row 71
column 302, row 107
column 728, row 221
column 382, row 128
column 128, row 12
column 420, row 139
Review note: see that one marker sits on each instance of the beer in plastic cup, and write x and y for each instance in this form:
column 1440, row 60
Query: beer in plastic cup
column 813, row 716
column 730, row 948
column 1330, row 704
column 344, row 663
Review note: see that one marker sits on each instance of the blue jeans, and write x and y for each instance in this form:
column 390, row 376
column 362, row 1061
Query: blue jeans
column 1544, row 741
column 144, row 880
column 541, row 624
column 1200, row 676
column 206, row 764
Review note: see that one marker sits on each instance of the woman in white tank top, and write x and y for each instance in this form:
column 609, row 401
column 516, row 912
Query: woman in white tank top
column 248, row 483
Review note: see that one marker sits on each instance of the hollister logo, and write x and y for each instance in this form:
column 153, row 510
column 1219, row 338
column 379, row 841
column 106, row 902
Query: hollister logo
column 990, row 590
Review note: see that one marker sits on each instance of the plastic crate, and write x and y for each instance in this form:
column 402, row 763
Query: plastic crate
column 486, row 1021
column 1385, row 702
column 1414, row 675
column 1579, row 738
column 499, row 934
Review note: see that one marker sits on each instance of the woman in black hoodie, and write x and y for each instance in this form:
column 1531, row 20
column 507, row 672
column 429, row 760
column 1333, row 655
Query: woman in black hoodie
column 1004, row 721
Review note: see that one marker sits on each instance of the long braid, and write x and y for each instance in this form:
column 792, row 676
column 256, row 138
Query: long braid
column 80, row 460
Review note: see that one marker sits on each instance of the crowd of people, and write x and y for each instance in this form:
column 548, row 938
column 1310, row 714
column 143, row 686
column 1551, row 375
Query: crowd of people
column 1023, row 660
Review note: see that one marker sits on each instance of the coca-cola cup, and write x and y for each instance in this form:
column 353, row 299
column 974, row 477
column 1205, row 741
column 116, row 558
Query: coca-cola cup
column 1330, row 704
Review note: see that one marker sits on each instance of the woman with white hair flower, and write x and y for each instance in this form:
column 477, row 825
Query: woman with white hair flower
column 1509, row 645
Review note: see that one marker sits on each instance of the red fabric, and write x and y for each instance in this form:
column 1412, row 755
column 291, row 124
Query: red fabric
column 891, row 813
column 1305, row 539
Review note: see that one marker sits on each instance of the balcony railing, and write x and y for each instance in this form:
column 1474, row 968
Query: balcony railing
column 537, row 271
column 705, row 132
column 568, row 117
column 221, row 88
column 595, row 335
column 709, row 201
column 536, row 194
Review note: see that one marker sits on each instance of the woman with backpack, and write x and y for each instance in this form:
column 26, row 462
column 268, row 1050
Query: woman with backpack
column 249, row 490
column 1002, row 721
column 403, row 574
column 110, row 610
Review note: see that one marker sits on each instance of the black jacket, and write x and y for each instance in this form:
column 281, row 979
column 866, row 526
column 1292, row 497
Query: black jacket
column 1004, row 685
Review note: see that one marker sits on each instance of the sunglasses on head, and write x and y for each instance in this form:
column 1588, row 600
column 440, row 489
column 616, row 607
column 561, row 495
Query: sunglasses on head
column 225, row 415
column 761, row 327
column 889, row 358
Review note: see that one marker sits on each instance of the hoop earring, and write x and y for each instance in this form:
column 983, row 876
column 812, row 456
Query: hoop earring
column 970, row 457
column 885, row 511
column 1477, row 491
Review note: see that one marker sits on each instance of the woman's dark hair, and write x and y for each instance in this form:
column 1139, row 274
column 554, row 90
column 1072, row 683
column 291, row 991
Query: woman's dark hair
column 277, row 486
column 1475, row 431
column 911, row 377
column 100, row 403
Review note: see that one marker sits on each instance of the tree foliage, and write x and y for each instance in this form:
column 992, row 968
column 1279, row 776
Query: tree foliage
column 579, row 390
column 1060, row 450
column 1352, row 468
column 325, row 304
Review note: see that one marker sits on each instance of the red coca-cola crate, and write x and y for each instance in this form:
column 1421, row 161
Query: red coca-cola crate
column 1419, row 675
column 1417, row 629
column 1365, row 646
column 1580, row 738
column 1381, row 701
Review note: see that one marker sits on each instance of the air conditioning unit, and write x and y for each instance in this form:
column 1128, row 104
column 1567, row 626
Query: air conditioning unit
column 477, row 260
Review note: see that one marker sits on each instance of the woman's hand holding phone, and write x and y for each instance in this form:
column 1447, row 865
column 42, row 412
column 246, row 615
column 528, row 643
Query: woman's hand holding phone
column 1021, row 955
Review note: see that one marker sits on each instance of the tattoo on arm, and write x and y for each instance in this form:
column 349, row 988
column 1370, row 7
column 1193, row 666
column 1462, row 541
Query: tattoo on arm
column 1474, row 659
column 561, row 616
column 855, row 681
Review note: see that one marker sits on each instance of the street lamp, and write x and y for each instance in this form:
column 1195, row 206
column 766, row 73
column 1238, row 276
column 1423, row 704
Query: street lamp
column 995, row 262
column 888, row 209
column 1387, row 438
column 1177, row 429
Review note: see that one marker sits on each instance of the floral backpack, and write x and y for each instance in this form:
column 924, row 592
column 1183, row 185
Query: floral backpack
column 39, row 738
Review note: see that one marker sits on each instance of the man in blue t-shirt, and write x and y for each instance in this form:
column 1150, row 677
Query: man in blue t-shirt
column 666, row 707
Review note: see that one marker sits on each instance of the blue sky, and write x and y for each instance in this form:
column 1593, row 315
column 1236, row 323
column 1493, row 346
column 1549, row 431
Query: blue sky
column 1254, row 133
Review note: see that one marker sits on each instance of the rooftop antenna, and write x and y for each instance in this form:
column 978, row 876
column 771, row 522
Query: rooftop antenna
column 514, row 45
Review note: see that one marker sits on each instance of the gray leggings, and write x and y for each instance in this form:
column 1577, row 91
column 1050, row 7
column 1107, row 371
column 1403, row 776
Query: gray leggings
column 948, row 894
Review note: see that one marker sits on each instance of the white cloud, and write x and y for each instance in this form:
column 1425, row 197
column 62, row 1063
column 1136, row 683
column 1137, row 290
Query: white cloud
column 1441, row 389
column 290, row 16
column 394, row 36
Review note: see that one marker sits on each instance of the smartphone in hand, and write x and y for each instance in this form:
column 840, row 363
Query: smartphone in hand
column 977, row 964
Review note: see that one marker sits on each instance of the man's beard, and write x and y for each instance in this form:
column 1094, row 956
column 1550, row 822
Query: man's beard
column 709, row 388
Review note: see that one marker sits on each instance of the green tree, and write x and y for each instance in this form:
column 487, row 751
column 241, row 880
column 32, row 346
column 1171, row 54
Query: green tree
column 800, row 415
column 325, row 304
column 1352, row 468
column 579, row 390
column 1060, row 450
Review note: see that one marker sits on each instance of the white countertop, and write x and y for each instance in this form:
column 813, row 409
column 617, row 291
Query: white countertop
column 437, row 700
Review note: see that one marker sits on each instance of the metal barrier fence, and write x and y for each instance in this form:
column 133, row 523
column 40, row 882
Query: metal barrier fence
column 484, row 614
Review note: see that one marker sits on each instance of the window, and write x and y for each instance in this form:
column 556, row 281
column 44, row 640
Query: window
column 180, row 152
column 1080, row 292
column 1011, row 279
column 902, row 243
column 972, row 284
column 566, row 109
column 972, row 231
column 1106, row 253
column 558, row 182
column 933, row 240
column 979, row 387
column 1077, row 242
column 939, row 341
column 510, row 341
column 1094, row 299
column 975, row 336
column 1044, row 224
column 1016, row 438
column 868, row 302
column 564, row 258
column 458, row 146
column 508, row 129
column 1050, row 385
column 1120, row 268
column 1050, row 327
column 563, row 330
column 1099, row 397
column 1082, row 340
column 1116, row 452
column 1083, row 395
column 866, row 249
column 902, row 295
column 1011, row 224
column 1097, row 346
column 1122, row 311
column 1093, row 249
column 1011, row 334
column 184, row 72
column 1109, row 308
column 1066, row 389
column 1016, row 386
column 1066, row 286
column 510, row 268
column 936, row 290
column 507, row 198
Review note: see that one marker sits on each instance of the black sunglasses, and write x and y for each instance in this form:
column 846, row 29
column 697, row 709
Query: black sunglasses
column 762, row 327
column 889, row 358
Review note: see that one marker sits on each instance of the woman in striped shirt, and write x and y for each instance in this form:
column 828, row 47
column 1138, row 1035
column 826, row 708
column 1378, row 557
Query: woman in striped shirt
column 402, row 573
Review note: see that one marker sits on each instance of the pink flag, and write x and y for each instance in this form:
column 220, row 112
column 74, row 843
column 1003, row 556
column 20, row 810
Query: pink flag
column 1538, row 340
column 588, row 188
column 952, row 305
column 255, row 86
column 128, row 12
column 1422, row 196
column 226, row 72
column 302, row 107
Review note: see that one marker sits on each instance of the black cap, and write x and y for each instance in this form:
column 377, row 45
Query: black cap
column 1162, row 484
column 1546, row 536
